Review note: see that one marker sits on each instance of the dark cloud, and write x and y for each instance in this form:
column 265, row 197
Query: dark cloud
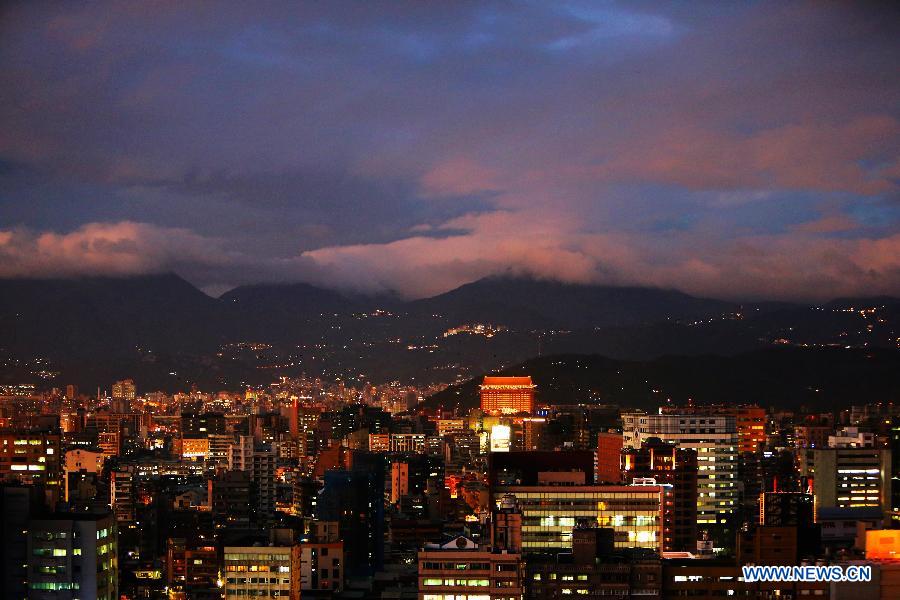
column 721, row 148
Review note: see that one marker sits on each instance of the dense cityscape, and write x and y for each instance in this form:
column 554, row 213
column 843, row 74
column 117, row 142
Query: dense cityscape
column 304, row 489
column 492, row 300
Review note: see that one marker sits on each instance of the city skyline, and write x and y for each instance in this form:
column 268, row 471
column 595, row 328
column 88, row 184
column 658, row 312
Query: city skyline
column 736, row 151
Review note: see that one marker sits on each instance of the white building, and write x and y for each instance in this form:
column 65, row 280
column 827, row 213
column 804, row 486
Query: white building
column 713, row 436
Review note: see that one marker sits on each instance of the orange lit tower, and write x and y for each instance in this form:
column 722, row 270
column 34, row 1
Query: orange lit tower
column 507, row 395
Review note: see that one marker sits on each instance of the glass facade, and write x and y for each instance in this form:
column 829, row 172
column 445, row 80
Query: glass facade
column 550, row 513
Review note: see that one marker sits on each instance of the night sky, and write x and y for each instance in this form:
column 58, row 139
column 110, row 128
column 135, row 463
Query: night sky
column 738, row 150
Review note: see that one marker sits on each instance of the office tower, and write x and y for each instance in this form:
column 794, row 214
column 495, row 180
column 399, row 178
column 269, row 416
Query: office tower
column 353, row 497
column 410, row 475
column 269, row 571
column 667, row 464
column 463, row 569
column 73, row 555
column 124, row 390
column 507, row 395
column 550, row 512
column 609, row 450
column 849, row 477
column 713, row 437
column 71, row 392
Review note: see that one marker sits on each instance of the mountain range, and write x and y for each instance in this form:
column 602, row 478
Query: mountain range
column 89, row 330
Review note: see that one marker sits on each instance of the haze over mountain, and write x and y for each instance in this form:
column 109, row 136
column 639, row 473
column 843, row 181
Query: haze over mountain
column 161, row 326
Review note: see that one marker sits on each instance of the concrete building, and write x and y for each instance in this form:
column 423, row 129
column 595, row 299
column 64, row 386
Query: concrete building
column 463, row 570
column 269, row 571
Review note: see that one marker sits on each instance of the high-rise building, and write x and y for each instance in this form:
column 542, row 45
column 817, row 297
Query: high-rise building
column 73, row 555
column 849, row 477
column 713, row 437
column 667, row 464
column 124, row 390
column 354, row 498
column 507, row 395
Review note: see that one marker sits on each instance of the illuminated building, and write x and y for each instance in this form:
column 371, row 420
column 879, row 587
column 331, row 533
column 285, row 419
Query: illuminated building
column 122, row 495
column 849, row 477
column 410, row 475
column 73, row 556
column 713, row 437
column 190, row 566
column 500, row 438
column 676, row 467
column 31, row 458
column 593, row 569
column 448, row 426
column 270, row 571
column 551, row 512
column 195, row 448
column 883, row 544
column 851, row 437
column 532, row 433
column 749, row 421
column 812, row 436
column 408, row 442
column 124, row 390
column 463, row 570
column 379, row 442
column 507, row 395
column 81, row 459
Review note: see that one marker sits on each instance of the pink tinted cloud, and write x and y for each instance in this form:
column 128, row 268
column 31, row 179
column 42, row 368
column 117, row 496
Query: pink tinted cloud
column 818, row 157
column 797, row 265
column 122, row 248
